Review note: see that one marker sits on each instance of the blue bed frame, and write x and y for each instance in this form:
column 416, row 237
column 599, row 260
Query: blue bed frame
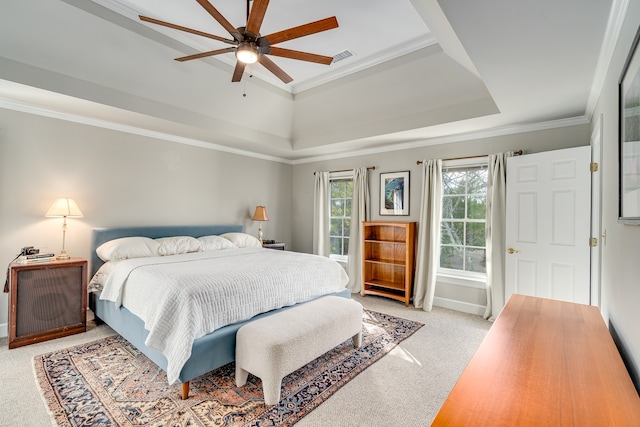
column 209, row 352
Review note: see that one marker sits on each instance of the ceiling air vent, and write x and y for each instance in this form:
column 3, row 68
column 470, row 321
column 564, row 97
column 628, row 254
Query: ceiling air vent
column 342, row 55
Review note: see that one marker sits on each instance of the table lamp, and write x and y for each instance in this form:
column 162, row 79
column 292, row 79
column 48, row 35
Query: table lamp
column 260, row 215
column 64, row 208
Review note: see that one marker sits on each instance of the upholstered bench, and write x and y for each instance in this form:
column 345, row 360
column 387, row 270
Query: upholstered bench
column 274, row 346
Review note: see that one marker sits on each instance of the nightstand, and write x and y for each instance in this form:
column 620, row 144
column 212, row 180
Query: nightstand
column 47, row 300
column 278, row 245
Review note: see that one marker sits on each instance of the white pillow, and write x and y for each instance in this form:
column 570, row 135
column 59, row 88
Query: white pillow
column 214, row 243
column 127, row 247
column 178, row 245
column 242, row 240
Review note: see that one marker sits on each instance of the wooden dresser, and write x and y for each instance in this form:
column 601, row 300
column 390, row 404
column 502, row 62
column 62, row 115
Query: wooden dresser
column 544, row 363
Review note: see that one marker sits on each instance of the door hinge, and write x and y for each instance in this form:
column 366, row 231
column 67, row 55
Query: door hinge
column 593, row 242
column 593, row 167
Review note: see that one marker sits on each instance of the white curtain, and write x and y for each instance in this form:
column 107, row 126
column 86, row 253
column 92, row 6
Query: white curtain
column 359, row 213
column 495, row 233
column 321, row 214
column 428, row 253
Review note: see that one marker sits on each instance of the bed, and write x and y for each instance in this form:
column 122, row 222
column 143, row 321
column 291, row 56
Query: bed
column 282, row 272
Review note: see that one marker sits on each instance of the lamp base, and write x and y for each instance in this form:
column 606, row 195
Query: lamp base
column 63, row 255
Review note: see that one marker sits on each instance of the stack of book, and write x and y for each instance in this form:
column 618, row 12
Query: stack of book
column 29, row 259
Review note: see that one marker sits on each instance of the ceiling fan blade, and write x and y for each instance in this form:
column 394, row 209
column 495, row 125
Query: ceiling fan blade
column 221, row 19
column 271, row 66
column 205, row 54
column 237, row 72
column 188, row 30
column 303, row 30
column 301, row 56
column 254, row 22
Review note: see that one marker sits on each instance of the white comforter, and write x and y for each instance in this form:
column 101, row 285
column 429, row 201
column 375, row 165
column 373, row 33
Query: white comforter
column 183, row 297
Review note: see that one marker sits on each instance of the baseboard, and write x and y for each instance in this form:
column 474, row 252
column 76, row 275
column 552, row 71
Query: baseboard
column 462, row 306
column 4, row 330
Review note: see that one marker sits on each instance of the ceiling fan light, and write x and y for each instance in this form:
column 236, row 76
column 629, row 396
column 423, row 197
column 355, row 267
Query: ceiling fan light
column 247, row 52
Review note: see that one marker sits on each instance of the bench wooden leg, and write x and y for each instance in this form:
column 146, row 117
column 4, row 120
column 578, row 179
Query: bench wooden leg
column 185, row 390
column 357, row 339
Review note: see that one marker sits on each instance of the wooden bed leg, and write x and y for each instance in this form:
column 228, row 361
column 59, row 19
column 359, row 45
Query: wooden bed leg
column 185, row 390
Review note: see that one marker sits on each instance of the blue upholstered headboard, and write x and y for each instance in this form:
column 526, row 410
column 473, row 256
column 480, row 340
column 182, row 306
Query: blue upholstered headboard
column 101, row 235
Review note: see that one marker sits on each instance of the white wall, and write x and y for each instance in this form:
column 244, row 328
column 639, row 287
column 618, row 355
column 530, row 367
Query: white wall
column 621, row 251
column 123, row 179
column 449, row 295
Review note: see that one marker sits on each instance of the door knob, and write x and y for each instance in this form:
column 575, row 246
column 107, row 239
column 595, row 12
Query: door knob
column 512, row 251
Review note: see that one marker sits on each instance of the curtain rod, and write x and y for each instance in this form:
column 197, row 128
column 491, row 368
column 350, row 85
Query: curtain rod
column 371, row 168
column 515, row 153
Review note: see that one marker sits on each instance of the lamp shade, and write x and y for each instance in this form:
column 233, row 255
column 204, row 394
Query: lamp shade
column 247, row 52
column 64, row 207
column 260, row 214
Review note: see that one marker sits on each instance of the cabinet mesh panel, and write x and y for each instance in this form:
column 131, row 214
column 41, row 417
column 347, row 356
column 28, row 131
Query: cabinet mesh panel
column 47, row 299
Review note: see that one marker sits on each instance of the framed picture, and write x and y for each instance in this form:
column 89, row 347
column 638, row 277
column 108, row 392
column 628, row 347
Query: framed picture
column 394, row 193
column 629, row 134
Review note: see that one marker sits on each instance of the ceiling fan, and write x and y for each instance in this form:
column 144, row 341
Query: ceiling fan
column 249, row 46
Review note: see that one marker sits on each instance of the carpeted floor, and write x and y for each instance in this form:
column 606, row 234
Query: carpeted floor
column 109, row 382
column 404, row 388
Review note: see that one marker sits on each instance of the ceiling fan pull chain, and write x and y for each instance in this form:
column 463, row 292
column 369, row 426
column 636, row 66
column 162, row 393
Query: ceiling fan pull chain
column 244, row 82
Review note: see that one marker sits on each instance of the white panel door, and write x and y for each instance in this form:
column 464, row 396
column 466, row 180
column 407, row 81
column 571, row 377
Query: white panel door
column 548, row 225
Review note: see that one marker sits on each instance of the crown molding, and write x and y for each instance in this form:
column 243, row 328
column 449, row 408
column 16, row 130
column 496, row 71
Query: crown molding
column 359, row 65
column 461, row 137
column 105, row 124
column 612, row 33
column 134, row 130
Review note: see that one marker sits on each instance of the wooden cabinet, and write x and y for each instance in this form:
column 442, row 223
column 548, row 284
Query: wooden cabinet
column 388, row 260
column 47, row 300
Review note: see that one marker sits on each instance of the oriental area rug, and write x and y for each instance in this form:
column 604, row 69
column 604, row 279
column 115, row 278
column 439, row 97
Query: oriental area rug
column 110, row 383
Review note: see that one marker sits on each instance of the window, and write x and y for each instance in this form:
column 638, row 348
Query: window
column 464, row 202
column 341, row 194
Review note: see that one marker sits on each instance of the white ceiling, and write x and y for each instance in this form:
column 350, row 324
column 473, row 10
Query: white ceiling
column 357, row 20
column 423, row 71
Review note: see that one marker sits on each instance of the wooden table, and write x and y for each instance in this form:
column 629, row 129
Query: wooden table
column 544, row 363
